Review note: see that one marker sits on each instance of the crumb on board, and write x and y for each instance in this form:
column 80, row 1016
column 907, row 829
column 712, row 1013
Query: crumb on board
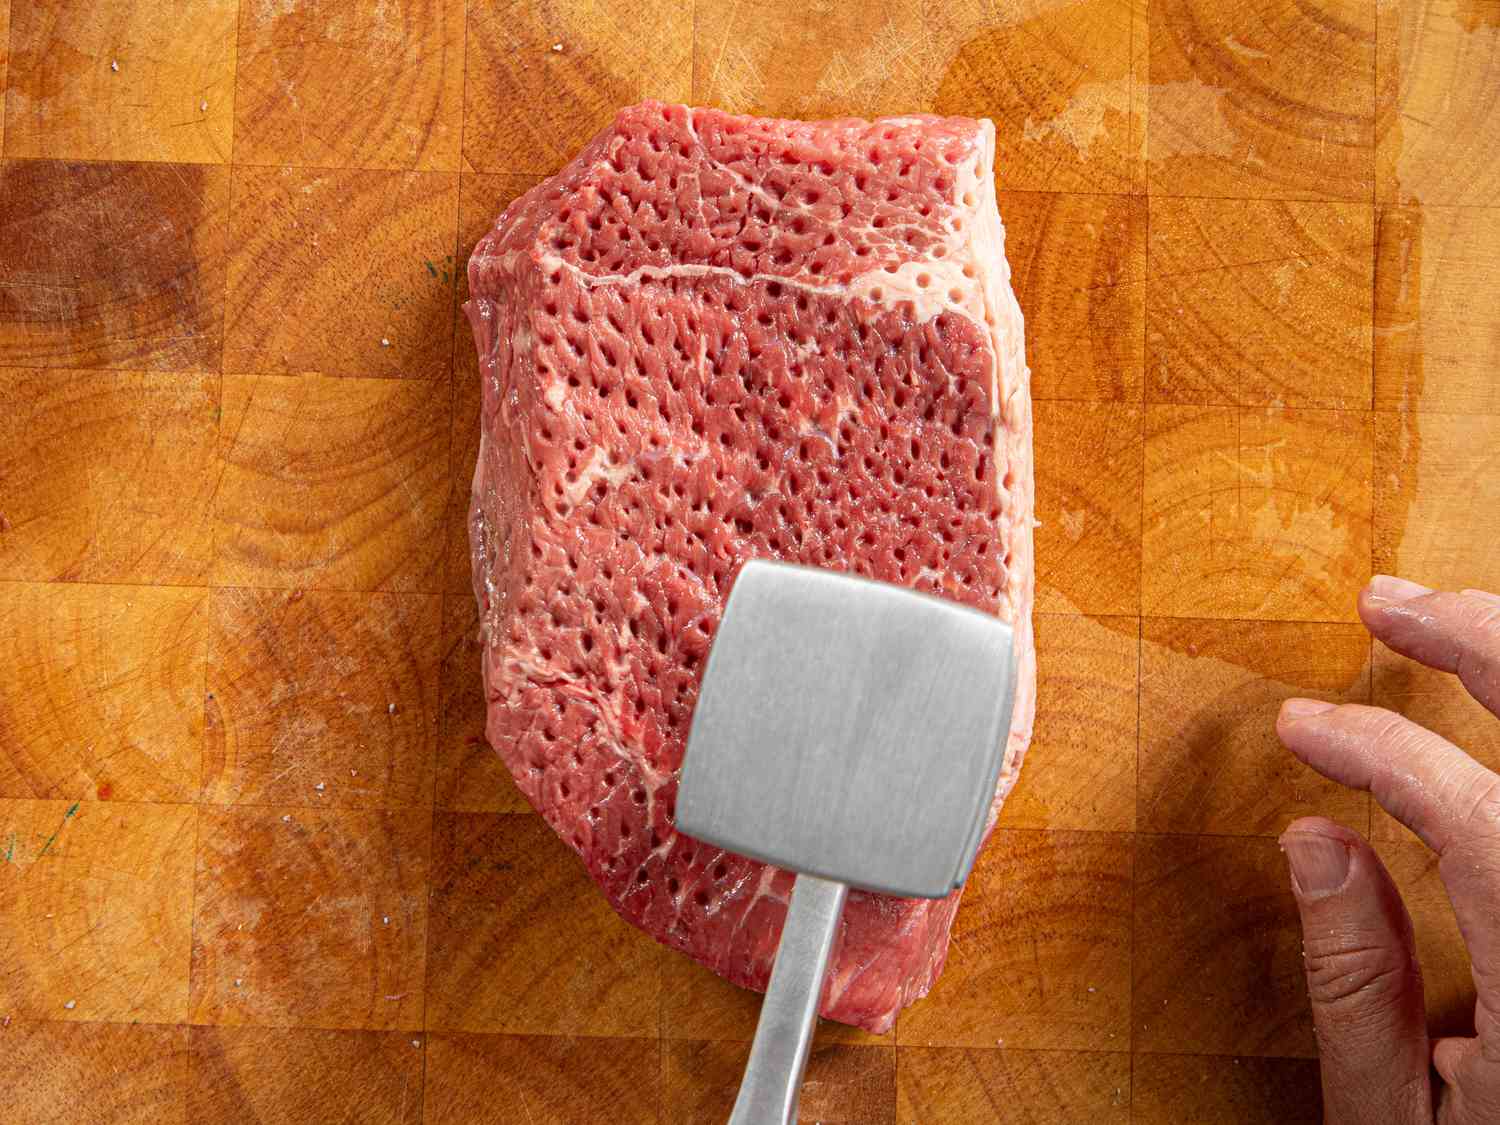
column 202, row 107
column 385, row 342
column 114, row 65
column 390, row 708
column 286, row 818
column 416, row 1042
column 557, row 48
column 238, row 981
column 385, row 919
column 320, row 786
column 71, row 1004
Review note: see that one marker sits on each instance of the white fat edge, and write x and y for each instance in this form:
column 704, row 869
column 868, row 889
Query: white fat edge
column 1002, row 320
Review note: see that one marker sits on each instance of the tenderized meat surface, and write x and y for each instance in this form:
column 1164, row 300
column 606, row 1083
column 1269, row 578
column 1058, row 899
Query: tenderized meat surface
column 711, row 338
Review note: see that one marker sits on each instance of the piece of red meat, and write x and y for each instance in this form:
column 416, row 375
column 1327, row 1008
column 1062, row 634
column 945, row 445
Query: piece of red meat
column 710, row 338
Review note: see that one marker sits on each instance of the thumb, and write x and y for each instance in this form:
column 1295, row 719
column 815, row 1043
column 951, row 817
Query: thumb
column 1362, row 978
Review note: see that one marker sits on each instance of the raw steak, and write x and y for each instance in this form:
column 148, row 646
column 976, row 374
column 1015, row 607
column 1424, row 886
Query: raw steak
column 710, row 338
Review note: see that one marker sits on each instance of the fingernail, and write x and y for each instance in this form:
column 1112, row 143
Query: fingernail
column 1294, row 709
column 1396, row 589
column 1319, row 864
column 1483, row 595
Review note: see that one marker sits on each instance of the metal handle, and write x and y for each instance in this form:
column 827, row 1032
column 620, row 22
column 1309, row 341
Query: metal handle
column 783, row 1037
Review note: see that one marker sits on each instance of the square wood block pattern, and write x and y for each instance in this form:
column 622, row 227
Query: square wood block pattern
column 257, row 860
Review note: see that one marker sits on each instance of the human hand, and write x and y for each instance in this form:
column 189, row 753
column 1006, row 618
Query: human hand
column 1362, row 972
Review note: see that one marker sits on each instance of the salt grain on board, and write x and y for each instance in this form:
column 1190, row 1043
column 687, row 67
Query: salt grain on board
column 71, row 1004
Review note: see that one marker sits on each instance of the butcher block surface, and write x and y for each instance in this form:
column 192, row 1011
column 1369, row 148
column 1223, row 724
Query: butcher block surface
column 256, row 863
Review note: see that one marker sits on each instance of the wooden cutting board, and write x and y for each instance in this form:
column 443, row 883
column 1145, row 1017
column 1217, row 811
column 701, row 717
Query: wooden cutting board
column 256, row 864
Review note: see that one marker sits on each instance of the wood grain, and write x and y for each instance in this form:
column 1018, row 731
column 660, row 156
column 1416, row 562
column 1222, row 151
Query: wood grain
column 523, row 943
column 95, row 910
column 108, row 476
column 290, row 918
column 140, row 80
column 1088, row 500
column 252, row 1074
column 115, row 265
column 350, row 85
column 1264, row 99
column 96, row 1074
column 1437, row 332
column 330, row 483
column 500, row 1079
column 844, row 1085
column 1168, row 1089
column 1210, row 762
column 1437, row 499
column 1040, row 953
column 366, row 259
column 1437, row 132
column 1257, row 303
column 543, row 78
column 1234, row 230
column 1080, row 771
column 1217, row 950
column 815, row 60
column 4, row 62
column 978, row 1087
column 103, row 697
column 1261, row 514
column 1078, row 267
column 1065, row 85
column 322, row 699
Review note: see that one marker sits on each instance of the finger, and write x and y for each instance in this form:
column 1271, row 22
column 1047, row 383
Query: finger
column 1471, row 1093
column 1436, row 790
column 1457, row 633
column 1420, row 778
column 1362, row 978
